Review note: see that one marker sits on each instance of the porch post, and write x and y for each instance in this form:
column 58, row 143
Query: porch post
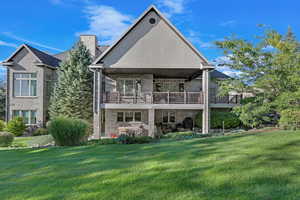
column 206, row 109
column 97, row 104
column 151, row 125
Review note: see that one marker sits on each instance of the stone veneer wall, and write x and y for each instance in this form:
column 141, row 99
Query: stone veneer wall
column 111, row 124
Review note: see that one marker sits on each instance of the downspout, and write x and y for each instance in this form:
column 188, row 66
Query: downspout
column 7, row 96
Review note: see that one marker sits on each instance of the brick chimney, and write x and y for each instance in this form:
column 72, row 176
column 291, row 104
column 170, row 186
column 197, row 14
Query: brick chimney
column 90, row 41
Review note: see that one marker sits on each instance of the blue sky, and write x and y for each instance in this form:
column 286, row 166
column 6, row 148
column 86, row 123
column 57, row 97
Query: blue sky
column 54, row 25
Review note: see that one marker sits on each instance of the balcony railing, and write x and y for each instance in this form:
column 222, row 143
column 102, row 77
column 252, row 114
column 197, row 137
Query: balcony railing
column 167, row 98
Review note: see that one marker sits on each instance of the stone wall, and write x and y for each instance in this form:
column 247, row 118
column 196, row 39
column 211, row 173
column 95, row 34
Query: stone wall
column 111, row 124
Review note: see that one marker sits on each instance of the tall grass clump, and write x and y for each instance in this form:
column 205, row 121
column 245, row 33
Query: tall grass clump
column 68, row 131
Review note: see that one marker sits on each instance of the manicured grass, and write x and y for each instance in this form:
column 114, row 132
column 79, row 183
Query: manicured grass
column 262, row 166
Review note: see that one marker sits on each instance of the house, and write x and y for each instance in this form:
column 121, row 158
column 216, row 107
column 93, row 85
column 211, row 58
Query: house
column 31, row 75
column 154, row 76
column 150, row 78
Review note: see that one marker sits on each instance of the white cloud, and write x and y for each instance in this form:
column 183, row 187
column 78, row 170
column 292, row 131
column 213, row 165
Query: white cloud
column 171, row 7
column 229, row 23
column 194, row 38
column 106, row 22
column 220, row 63
column 17, row 38
column 3, row 43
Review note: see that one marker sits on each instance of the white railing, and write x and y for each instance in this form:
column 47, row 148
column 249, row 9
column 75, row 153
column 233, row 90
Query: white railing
column 168, row 98
column 155, row 98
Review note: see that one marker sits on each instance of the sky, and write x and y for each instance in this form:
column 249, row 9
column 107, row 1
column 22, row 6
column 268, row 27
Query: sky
column 54, row 25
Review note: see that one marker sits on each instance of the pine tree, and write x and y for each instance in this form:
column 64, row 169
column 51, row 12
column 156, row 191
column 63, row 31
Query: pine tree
column 73, row 92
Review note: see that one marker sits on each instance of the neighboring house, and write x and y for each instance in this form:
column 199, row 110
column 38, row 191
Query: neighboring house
column 31, row 74
column 151, row 77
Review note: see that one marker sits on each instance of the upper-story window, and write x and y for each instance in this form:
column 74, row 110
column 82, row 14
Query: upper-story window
column 128, row 87
column 25, row 85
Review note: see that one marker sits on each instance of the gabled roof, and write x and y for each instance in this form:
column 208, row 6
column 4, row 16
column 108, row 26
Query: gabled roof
column 41, row 56
column 151, row 8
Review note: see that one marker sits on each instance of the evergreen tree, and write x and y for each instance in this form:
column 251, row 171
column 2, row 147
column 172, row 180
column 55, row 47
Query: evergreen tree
column 73, row 92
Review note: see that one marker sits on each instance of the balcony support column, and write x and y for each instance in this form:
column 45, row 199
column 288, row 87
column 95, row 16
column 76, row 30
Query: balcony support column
column 97, row 104
column 151, row 122
column 206, row 108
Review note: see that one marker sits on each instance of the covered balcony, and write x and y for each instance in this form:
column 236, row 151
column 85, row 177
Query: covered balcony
column 168, row 98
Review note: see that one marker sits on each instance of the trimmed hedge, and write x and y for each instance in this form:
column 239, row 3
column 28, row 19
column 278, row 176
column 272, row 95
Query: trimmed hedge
column 68, row 131
column 16, row 126
column 290, row 119
column 6, row 139
column 217, row 118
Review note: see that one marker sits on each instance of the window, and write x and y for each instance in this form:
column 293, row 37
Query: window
column 168, row 85
column 25, row 84
column 129, row 116
column 128, row 87
column 137, row 116
column 168, row 117
column 120, row 117
column 29, row 116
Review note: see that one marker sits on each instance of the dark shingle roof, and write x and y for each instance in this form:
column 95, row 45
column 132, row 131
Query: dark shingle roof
column 44, row 57
column 218, row 74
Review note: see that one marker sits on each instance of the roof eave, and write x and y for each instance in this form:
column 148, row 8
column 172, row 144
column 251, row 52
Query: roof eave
column 8, row 64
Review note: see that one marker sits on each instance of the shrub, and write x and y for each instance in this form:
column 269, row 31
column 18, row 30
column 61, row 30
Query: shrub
column 16, row 126
column 2, row 125
column 177, row 135
column 184, row 135
column 126, row 139
column 68, row 131
column 40, row 131
column 217, row 118
column 103, row 141
column 290, row 119
column 6, row 139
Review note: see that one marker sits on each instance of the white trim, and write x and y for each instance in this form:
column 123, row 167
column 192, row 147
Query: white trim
column 152, row 7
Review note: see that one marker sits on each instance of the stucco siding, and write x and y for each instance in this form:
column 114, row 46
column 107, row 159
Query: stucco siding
column 24, row 63
column 152, row 45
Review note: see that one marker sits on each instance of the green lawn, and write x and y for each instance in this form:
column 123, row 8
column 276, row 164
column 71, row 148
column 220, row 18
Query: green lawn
column 260, row 166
